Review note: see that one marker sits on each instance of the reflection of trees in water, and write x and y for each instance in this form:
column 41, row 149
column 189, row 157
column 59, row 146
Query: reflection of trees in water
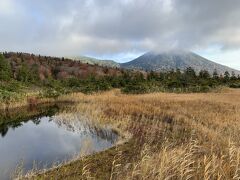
column 3, row 130
column 16, row 124
column 79, row 124
column 74, row 123
column 15, row 120
column 5, row 127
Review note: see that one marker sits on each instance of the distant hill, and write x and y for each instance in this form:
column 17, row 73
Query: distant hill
column 177, row 59
column 93, row 61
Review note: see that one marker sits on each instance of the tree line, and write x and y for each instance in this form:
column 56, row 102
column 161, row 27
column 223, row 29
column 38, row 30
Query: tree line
column 128, row 81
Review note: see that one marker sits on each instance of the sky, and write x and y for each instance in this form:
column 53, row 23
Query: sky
column 122, row 29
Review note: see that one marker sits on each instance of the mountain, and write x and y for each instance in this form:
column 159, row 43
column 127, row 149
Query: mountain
column 93, row 61
column 175, row 59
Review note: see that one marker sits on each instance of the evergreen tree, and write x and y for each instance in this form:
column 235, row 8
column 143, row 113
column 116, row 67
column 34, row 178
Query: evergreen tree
column 152, row 76
column 233, row 76
column 189, row 77
column 24, row 74
column 226, row 76
column 204, row 74
column 190, row 72
column 139, row 77
column 5, row 69
column 215, row 75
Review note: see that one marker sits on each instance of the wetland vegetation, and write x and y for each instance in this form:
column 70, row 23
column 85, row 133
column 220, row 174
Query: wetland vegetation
column 167, row 125
column 170, row 136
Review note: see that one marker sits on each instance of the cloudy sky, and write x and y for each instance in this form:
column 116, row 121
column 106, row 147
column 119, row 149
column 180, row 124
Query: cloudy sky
column 122, row 29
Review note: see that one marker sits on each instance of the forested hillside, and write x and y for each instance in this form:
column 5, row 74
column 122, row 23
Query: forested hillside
column 55, row 76
column 27, row 67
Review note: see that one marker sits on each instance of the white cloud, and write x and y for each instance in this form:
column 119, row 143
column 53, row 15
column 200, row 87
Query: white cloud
column 7, row 7
column 73, row 27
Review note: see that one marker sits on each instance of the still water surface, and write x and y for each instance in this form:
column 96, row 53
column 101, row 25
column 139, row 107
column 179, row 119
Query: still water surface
column 44, row 140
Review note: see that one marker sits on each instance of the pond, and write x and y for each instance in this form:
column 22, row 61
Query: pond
column 43, row 141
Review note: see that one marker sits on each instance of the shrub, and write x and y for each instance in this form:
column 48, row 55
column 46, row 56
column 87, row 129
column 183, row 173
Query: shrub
column 234, row 85
column 136, row 88
column 51, row 93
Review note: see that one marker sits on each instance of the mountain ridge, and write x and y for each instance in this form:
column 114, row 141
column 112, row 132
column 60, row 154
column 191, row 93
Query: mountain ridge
column 176, row 59
column 93, row 61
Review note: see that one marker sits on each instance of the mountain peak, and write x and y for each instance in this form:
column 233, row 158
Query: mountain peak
column 175, row 59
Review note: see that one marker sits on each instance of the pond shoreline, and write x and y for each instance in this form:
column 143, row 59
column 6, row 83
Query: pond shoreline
column 122, row 143
column 123, row 136
column 25, row 103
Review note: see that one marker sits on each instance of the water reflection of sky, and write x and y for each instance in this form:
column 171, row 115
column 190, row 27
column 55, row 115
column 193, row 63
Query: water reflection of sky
column 48, row 142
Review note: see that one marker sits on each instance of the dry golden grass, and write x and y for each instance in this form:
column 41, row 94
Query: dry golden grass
column 174, row 136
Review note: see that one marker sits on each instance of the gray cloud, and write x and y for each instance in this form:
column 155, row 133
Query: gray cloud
column 111, row 26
